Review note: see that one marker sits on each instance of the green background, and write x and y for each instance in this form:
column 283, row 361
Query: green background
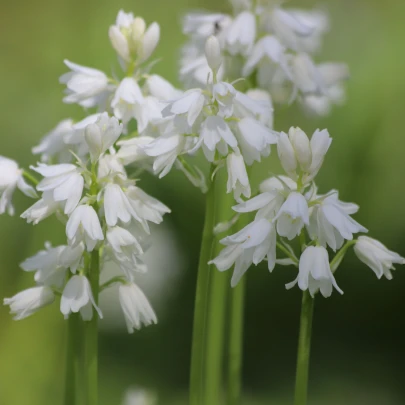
column 358, row 340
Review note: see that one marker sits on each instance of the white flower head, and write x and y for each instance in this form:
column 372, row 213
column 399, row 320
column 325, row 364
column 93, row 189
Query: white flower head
column 84, row 225
column 292, row 216
column 162, row 89
column 250, row 245
column 84, row 85
column 77, row 296
column 136, row 307
column 376, row 256
column 29, row 301
column 42, row 209
column 315, row 273
column 11, row 177
column 241, row 35
column 64, row 180
column 238, row 180
column 101, row 135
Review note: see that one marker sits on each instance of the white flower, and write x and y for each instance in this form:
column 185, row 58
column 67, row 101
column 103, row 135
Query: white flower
column 224, row 93
column 130, row 38
column 42, row 209
column 84, row 225
column 64, row 180
column 128, row 100
column 11, row 177
column 136, row 307
column 201, row 25
column 110, row 166
column 250, row 245
column 376, row 256
column 213, row 53
column 241, row 35
column 101, row 135
column 254, row 106
column 77, row 296
column 53, row 143
column 262, row 98
column 238, row 179
column 315, row 273
column 83, row 84
column 29, row 301
column 160, row 88
column 292, row 216
column 122, row 241
column 331, row 223
column 132, row 150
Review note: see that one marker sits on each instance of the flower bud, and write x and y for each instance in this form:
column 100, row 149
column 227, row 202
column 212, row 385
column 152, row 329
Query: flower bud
column 302, row 147
column 150, row 40
column 92, row 134
column 119, row 42
column 138, row 28
column 213, row 53
column 286, row 154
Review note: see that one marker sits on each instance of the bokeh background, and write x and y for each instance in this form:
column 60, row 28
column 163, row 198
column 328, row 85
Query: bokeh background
column 359, row 339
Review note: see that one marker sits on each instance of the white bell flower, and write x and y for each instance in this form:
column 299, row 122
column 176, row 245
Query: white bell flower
column 110, row 166
column 263, row 98
column 201, row 25
column 278, row 183
column 215, row 134
column 315, row 273
column 136, row 307
column 64, row 180
column 83, row 84
column 132, row 150
column 84, row 226
column 42, row 209
column 29, row 301
column 292, row 216
column 241, row 35
column 53, row 143
column 250, row 245
column 127, row 101
column 162, row 89
column 77, row 296
column 101, row 135
column 224, row 93
column 331, row 223
column 11, row 177
column 376, row 256
column 238, row 180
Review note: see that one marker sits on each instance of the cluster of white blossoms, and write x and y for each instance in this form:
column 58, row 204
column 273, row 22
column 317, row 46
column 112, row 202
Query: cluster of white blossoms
column 107, row 216
column 289, row 207
column 272, row 47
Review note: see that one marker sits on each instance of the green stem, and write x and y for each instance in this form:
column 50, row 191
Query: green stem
column 235, row 349
column 91, row 335
column 201, row 301
column 334, row 264
column 287, row 252
column 30, row 177
column 304, row 347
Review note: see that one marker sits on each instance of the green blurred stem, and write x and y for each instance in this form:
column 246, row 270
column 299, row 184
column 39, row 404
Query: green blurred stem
column 30, row 177
column 209, row 310
column 91, row 336
column 235, row 344
column 304, row 348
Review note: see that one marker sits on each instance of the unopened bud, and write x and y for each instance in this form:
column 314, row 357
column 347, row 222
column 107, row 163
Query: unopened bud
column 119, row 42
column 150, row 40
column 302, row 147
column 213, row 53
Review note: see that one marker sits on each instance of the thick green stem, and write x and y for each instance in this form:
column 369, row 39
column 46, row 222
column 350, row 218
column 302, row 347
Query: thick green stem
column 235, row 347
column 304, row 348
column 91, row 335
column 197, row 372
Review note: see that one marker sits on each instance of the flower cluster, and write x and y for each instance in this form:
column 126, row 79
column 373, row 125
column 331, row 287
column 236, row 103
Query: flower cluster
column 107, row 216
column 272, row 47
column 290, row 207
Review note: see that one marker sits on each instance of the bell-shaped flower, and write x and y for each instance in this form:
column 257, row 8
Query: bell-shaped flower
column 11, row 177
column 376, row 256
column 250, row 245
column 331, row 223
column 315, row 273
column 132, row 150
column 224, row 93
column 136, row 307
column 83, row 84
column 29, row 301
column 110, row 166
column 201, row 25
column 262, row 102
column 238, row 179
column 292, row 216
column 53, row 144
column 64, row 180
column 162, row 89
column 241, row 35
column 215, row 134
column 101, row 135
column 128, row 100
column 84, row 226
column 77, row 296
column 42, row 209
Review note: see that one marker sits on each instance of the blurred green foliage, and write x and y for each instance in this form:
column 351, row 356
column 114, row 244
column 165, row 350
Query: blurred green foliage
column 358, row 343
